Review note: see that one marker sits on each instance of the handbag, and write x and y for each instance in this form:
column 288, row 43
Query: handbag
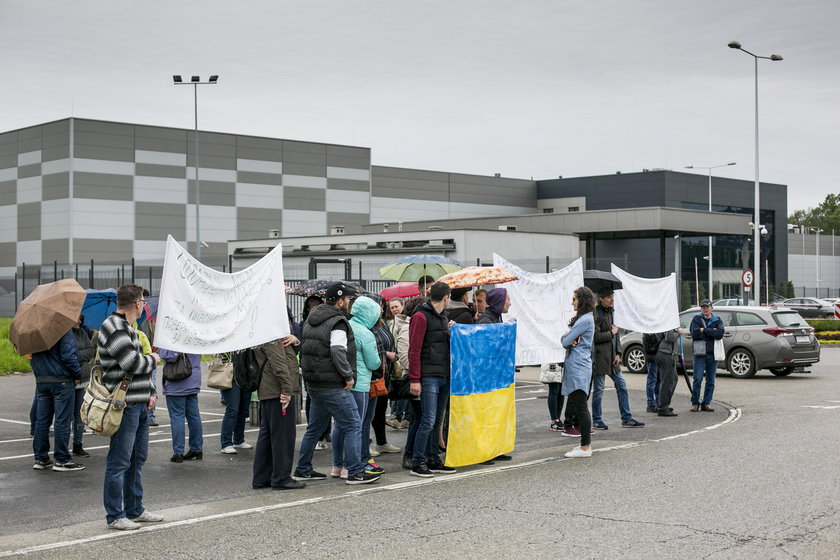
column 399, row 388
column 178, row 370
column 220, row 372
column 720, row 352
column 551, row 373
column 378, row 388
column 698, row 346
column 101, row 410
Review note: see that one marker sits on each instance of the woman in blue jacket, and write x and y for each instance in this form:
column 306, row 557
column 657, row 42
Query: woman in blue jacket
column 181, row 402
column 577, row 369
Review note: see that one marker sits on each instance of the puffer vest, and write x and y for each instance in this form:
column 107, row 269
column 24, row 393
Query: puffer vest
column 434, row 356
column 319, row 372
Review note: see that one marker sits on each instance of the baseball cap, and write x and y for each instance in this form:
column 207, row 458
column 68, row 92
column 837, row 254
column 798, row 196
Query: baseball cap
column 706, row 303
column 339, row 290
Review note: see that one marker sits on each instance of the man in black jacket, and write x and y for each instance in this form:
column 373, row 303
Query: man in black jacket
column 458, row 310
column 328, row 361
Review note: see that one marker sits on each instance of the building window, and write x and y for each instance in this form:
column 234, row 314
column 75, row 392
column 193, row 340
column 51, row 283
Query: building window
column 574, row 208
column 548, row 210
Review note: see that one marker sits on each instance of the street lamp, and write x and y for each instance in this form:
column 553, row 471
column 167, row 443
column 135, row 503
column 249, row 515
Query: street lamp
column 195, row 81
column 709, row 168
column 818, row 231
column 757, row 218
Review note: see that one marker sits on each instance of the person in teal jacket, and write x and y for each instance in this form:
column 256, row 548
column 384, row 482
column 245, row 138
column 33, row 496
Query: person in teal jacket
column 365, row 313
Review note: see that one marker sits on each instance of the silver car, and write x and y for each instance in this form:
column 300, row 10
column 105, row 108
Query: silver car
column 812, row 308
column 756, row 338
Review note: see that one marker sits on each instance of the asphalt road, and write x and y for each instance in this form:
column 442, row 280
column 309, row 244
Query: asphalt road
column 758, row 478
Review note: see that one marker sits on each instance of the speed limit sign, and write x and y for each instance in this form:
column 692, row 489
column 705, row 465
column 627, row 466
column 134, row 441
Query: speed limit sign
column 747, row 278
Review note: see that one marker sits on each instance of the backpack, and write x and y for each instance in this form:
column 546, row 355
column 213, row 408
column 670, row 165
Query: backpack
column 651, row 341
column 247, row 371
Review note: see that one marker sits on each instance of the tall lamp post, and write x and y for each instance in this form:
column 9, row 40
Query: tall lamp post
column 818, row 231
column 709, row 169
column 195, row 81
column 757, row 215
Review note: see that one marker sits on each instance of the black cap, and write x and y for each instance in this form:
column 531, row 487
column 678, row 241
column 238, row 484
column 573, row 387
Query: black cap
column 706, row 303
column 338, row 290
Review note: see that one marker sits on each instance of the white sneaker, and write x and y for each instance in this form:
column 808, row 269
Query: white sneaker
column 335, row 472
column 344, row 474
column 321, row 445
column 229, row 450
column 374, row 452
column 123, row 524
column 243, row 445
column 147, row 517
column 578, row 452
column 388, row 448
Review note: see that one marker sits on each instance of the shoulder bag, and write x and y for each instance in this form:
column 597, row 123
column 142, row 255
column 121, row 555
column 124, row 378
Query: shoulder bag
column 220, row 372
column 101, row 410
column 178, row 370
column 698, row 345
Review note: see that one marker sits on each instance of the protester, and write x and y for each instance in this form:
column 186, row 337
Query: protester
column 414, row 412
column 577, row 367
column 56, row 372
column 458, row 310
column 378, row 406
column 120, row 356
column 429, row 372
column 479, row 302
column 424, row 284
column 708, row 327
column 147, row 328
column 237, row 407
column 328, row 361
column 652, row 383
column 182, row 402
column 498, row 302
column 86, row 350
column 399, row 328
column 552, row 376
column 279, row 388
column 607, row 362
column 667, row 368
column 310, row 303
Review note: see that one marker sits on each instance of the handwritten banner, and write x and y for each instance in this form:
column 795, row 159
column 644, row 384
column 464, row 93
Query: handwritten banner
column 204, row 311
column 646, row 305
column 542, row 307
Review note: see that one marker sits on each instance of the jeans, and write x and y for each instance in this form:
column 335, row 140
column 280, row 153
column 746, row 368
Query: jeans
column 53, row 399
column 434, row 396
column 400, row 408
column 555, row 400
column 154, row 384
column 702, row 365
column 620, row 391
column 338, row 404
column 414, row 414
column 179, row 407
column 123, row 494
column 78, row 425
column 362, row 401
column 652, row 387
column 237, row 406
column 367, row 419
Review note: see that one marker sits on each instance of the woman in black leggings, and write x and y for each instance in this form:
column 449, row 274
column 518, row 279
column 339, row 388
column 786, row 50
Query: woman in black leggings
column 577, row 369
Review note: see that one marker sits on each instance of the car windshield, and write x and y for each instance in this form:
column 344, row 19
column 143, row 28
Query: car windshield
column 789, row 319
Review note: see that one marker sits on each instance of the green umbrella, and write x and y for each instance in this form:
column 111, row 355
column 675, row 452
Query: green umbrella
column 414, row 267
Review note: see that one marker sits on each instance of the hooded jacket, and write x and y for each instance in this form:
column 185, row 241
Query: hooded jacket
column 365, row 314
column 59, row 364
column 316, row 359
column 495, row 304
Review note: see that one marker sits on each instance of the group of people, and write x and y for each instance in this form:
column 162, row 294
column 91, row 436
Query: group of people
column 349, row 348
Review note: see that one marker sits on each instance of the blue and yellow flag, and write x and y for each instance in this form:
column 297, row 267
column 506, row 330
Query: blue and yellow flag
column 482, row 410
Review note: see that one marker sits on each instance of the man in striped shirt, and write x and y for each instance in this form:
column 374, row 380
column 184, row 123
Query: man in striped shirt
column 121, row 355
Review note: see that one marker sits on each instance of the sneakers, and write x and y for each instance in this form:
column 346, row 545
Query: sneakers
column 373, row 468
column 362, row 478
column 68, row 466
column 570, row 432
column 421, row 470
column 153, row 423
column 599, row 425
column 123, row 524
column 314, row 475
column 230, row 450
column 374, row 452
column 632, row 423
column 79, row 451
column 291, row 485
column 667, row 412
column 193, row 455
column 42, row 464
column 556, row 426
column 577, row 452
column 407, row 463
column 404, row 424
column 338, row 472
column 394, row 423
column 652, row 408
column 707, row 408
column 388, row 448
column 243, row 445
column 440, row 468
column 147, row 517
column 321, row 445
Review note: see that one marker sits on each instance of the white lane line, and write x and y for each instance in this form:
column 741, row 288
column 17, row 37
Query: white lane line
column 734, row 415
column 14, row 421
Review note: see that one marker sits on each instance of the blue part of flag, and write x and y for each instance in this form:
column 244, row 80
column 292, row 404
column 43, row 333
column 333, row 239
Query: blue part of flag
column 482, row 357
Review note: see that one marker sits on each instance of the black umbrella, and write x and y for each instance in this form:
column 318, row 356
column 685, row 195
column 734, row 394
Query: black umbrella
column 597, row 280
column 683, row 371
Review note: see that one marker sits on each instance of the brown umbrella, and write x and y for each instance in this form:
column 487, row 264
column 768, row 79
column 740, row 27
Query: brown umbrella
column 46, row 315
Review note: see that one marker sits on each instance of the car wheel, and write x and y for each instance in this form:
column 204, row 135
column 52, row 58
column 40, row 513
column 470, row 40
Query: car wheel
column 782, row 371
column 635, row 359
column 740, row 363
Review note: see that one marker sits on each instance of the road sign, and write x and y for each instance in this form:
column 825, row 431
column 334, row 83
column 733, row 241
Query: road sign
column 837, row 310
column 747, row 278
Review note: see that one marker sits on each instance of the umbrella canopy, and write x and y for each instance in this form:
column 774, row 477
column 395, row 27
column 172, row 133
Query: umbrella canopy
column 400, row 290
column 415, row 267
column 597, row 280
column 478, row 276
column 319, row 288
column 98, row 305
column 46, row 315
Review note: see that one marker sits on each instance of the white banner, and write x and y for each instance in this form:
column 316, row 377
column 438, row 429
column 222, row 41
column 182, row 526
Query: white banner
column 542, row 307
column 203, row 311
column 646, row 305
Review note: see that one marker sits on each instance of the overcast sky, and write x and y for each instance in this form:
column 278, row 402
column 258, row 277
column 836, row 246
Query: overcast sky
column 525, row 88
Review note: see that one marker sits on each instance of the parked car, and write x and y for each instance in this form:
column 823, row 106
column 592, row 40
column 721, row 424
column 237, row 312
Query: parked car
column 756, row 338
column 729, row 302
column 812, row 308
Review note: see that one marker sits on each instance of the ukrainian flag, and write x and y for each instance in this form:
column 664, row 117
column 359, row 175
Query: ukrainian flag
column 482, row 409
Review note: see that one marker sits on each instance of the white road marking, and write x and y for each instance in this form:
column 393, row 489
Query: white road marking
column 734, row 415
column 822, row 407
column 14, row 421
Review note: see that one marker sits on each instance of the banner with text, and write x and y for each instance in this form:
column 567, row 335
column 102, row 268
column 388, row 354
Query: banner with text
column 204, row 311
column 646, row 305
column 542, row 306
